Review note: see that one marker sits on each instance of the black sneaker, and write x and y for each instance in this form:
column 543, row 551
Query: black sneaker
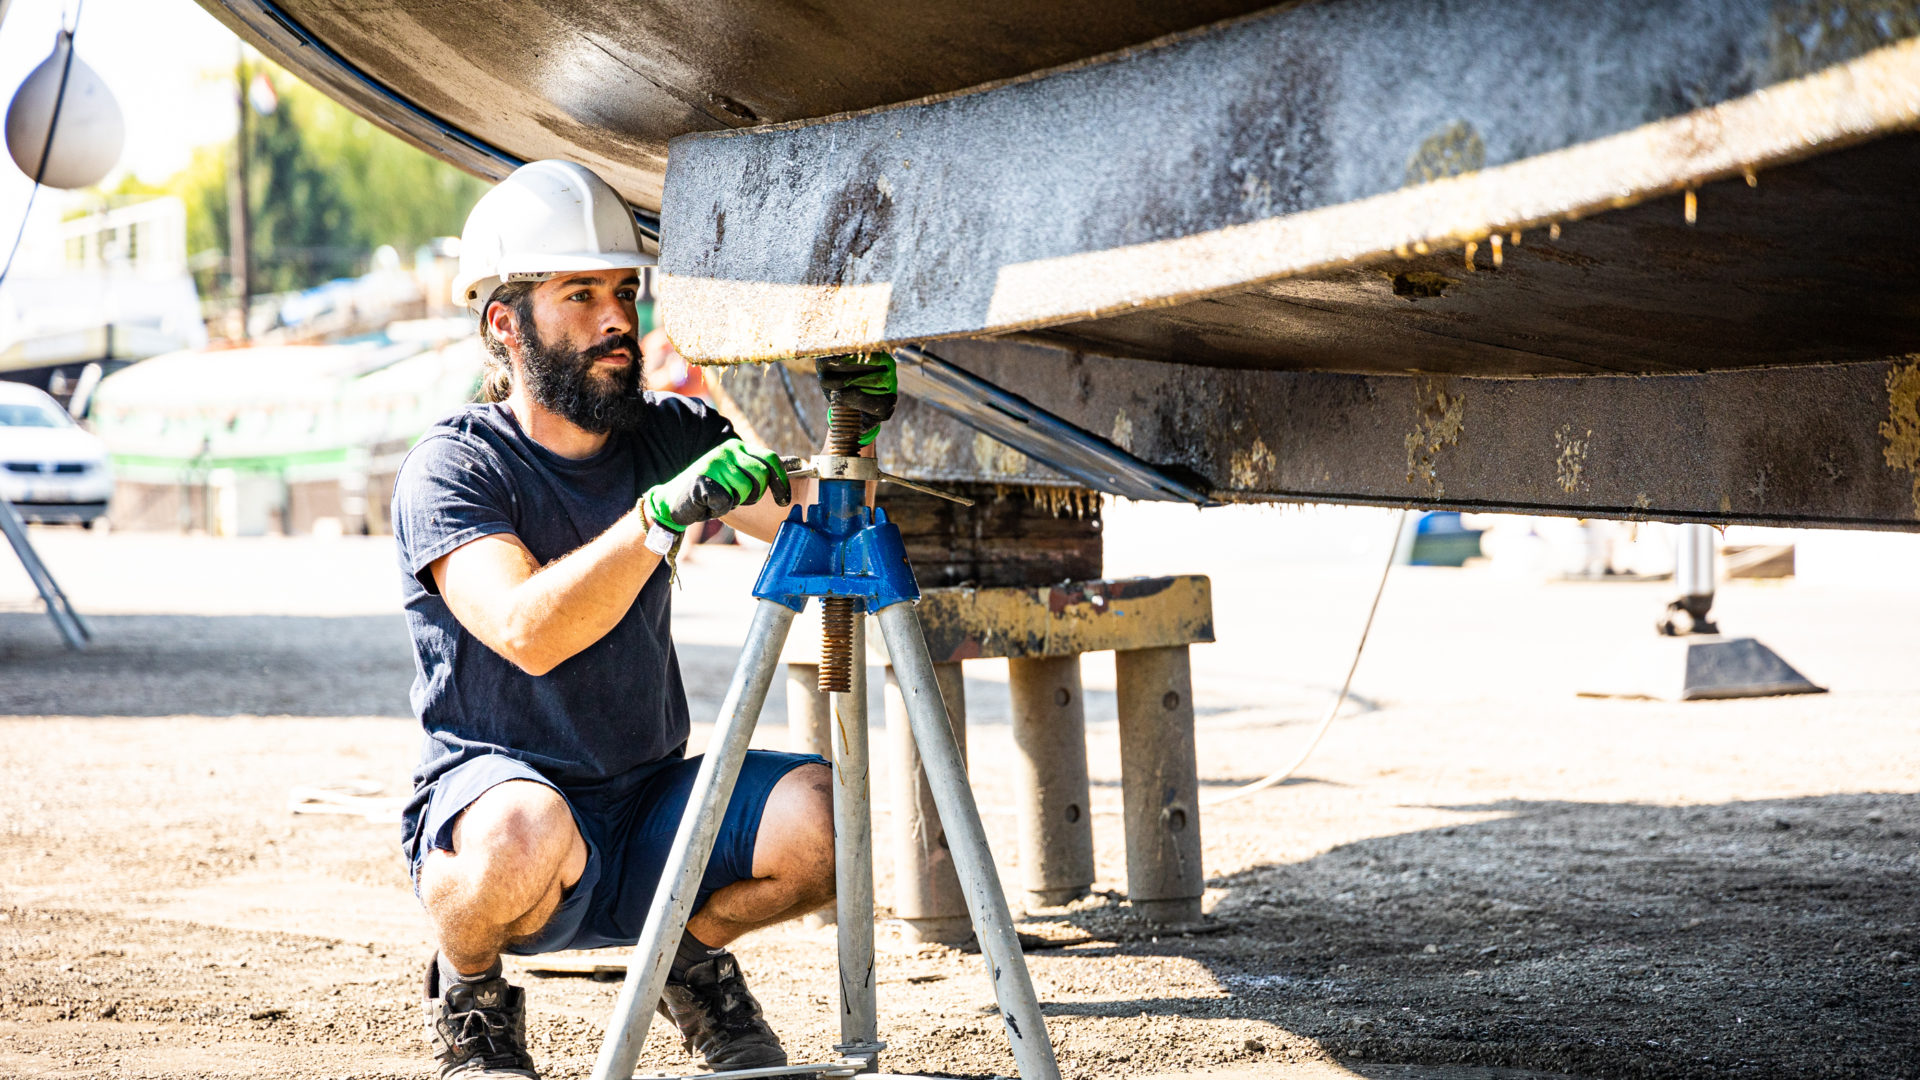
column 719, row 1019
column 478, row 1029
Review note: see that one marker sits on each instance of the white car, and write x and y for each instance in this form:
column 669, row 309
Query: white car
column 50, row 469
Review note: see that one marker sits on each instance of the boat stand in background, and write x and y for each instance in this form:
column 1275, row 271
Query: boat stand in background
column 72, row 627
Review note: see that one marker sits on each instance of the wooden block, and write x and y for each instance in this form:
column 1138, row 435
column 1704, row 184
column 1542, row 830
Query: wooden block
column 1010, row 536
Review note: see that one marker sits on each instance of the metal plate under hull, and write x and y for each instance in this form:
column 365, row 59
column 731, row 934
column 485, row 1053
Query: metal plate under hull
column 1207, row 201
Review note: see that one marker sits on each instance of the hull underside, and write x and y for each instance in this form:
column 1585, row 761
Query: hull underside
column 1576, row 259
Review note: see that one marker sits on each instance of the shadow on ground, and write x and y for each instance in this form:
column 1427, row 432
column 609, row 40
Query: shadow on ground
column 1768, row 938
column 208, row 665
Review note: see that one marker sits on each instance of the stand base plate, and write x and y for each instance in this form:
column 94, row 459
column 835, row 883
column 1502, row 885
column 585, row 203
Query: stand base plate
column 839, row 1069
column 1695, row 668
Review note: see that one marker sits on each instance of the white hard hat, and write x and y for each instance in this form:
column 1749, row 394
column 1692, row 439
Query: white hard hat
column 546, row 218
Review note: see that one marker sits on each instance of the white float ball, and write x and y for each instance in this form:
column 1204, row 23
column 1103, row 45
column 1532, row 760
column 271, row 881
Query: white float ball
column 91, row 131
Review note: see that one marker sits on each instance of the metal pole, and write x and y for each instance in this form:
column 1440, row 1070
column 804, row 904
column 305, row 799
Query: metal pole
column 853, row 859
column 809, row 712
column 239, row 205
column 1160, row 783
column 926, row 891
column 73, row 629
column 692, row 845
column 1694, row 574
column 1050, row 767
column 809, row 731
column 947, row 774
column 1694, row 568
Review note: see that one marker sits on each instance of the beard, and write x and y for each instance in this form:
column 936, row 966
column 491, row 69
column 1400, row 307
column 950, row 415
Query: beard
column 562, row 379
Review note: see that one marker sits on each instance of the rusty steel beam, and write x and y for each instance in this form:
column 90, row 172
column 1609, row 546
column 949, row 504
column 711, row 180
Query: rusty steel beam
column 1834, row 445
column 1830, row 445
column 777, row 406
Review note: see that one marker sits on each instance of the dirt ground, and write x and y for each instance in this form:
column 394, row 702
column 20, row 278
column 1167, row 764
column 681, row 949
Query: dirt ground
column 1478, row 875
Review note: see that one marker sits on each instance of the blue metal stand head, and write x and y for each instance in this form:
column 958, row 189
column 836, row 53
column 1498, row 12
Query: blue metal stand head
column 838, row 547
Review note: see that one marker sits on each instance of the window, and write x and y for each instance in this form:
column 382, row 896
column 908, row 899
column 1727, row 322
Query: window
column 27, row 414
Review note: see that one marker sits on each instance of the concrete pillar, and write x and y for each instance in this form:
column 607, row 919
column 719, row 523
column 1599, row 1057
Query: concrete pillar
column 1056, row 822
column 1160, row 783
column 809, row 727
column 926, row 888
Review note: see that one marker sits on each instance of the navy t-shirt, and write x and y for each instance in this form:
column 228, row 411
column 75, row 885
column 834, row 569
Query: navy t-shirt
column 616, row 704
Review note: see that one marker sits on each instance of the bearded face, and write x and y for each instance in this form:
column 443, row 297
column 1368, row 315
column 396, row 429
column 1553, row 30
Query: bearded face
column 566, row 380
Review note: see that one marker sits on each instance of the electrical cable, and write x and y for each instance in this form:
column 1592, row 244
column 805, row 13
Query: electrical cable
column 1280, row 777
column 46, row 148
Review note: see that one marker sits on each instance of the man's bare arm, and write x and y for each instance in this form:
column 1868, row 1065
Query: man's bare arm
column 762, row 519
column 537, row 616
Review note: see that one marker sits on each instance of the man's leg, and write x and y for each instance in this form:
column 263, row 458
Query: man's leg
column 515, row 850
column 706, row 996
column 792, row 862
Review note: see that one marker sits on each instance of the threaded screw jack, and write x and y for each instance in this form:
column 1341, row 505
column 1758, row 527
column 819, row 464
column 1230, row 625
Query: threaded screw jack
column 839, row 613
column 844, row 431
column 837, row 616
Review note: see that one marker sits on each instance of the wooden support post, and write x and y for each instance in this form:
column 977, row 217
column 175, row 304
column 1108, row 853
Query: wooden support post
column 1160, row 783
column 1056, row 823
column 926, row 888
column 809, row 727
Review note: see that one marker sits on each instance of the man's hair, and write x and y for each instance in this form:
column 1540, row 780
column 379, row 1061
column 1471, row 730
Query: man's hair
column 496, row 372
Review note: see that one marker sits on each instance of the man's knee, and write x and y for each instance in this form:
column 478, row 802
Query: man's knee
column 796, row 828
column 523, row 828
column 810, row 792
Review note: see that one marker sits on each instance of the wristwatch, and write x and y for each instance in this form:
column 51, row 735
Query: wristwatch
column 660, row 539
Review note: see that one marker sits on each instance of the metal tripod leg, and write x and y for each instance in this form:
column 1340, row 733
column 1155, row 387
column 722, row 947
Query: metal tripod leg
column 853, row 861
column 967, row 838
column 72, row 627
column 693, row 843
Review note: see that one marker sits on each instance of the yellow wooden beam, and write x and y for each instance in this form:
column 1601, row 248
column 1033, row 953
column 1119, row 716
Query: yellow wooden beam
column 1065, row 620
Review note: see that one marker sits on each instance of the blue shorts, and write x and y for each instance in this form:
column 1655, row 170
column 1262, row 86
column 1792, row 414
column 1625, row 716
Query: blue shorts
column 628, row 823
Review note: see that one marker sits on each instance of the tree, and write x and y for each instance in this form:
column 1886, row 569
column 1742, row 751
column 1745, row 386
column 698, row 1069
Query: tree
column 326, row 188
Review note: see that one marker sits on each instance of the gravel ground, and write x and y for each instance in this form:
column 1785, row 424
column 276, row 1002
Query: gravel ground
column 1479, row 874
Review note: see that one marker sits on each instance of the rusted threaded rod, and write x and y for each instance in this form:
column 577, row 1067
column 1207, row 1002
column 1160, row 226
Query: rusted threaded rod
column 843, row 433
column 838, row 613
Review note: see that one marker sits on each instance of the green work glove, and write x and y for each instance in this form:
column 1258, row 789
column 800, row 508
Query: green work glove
column 728, row 477
column 863, row 382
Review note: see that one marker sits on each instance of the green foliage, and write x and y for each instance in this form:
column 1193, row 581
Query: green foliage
column 399, row 195
column 326, row 188
column 202, row 185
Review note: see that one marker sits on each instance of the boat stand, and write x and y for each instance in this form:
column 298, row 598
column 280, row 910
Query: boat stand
column 73, row 629
column 852, row 558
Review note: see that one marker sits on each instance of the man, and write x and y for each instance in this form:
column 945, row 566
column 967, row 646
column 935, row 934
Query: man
column 531, row 532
